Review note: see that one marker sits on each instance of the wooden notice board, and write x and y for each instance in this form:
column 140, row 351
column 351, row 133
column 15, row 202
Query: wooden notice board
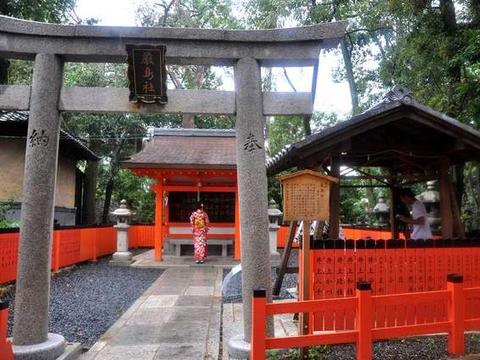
column 306, row 195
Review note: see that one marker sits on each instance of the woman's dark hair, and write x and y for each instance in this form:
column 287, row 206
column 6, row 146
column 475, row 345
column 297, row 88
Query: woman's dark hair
column 406, row 192
column 199, row 205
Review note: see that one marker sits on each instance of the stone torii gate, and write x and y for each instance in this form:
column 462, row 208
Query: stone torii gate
column 50, row 46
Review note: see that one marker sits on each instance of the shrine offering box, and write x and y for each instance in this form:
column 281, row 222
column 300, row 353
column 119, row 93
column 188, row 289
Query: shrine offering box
column 306, row 195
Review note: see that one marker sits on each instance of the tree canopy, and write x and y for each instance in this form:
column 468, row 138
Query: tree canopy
column 431, row 47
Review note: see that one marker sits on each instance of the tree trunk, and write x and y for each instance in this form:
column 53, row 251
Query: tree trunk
column 449, row 18
column 89, row 207
column 306, row 125
column 108, row 198
column 347, row 58
column 475, row 11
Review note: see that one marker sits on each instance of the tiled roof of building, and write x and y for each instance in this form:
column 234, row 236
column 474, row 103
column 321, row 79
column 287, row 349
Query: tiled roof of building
column 174, row 148
column 398, row 110
column 15, row 123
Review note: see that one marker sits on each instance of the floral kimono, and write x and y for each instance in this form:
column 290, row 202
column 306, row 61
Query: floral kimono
column 199, row 220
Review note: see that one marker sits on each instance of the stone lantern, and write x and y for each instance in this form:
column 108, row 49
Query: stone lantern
column 382, row 212
column 122, row 257
column 274, row 215
column 431, row 199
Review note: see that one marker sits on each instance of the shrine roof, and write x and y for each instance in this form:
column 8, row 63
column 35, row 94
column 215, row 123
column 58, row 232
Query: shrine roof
column 15, row 124
column 186, row 148
column 395, row 132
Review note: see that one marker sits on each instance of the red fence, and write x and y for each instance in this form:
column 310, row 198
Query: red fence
column 391, row 267
column 356, row 233
column 353, row 233
column 72, row 246
column 6, row 352
column 371, row 322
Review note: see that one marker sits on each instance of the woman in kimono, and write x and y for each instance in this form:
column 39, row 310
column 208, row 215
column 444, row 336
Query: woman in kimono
column 199, row 220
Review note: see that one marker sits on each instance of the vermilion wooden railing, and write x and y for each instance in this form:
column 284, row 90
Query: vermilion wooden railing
column 6, row 352
column 370, row 323
column 348, row 232
column 391, row 267
column 72, row 245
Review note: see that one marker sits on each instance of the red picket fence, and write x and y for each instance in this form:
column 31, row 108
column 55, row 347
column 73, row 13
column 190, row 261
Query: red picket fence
column 391, row 267
column 371, row 321
column 6, row 352
column 142, row 235
column 72, row 245
column 351, row 233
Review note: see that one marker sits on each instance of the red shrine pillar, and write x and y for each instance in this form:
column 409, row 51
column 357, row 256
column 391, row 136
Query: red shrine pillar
column 236, row 241
column 158, row 231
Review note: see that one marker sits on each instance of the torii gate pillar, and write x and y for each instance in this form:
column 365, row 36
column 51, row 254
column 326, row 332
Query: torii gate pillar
column 253, row 188
column 31, row 339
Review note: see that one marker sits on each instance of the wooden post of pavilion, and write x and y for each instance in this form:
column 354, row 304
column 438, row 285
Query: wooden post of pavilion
column 158, row 232
column 445, row 203
column 334, row 221
column 393, row 206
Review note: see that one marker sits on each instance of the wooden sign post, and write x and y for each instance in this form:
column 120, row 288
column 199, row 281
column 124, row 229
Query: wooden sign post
column 306, row 197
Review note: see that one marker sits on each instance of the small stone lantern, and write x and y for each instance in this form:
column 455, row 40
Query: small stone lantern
column 122, row 257
column 382, row 212
column 431, row 199
column 274, row 215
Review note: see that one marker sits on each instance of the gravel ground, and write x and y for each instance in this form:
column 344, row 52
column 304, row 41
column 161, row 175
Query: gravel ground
column 87, row 299
column 289, row 281
column 420, row 348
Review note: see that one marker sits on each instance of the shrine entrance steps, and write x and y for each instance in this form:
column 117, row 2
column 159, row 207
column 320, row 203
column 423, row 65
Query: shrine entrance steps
column 178, row 317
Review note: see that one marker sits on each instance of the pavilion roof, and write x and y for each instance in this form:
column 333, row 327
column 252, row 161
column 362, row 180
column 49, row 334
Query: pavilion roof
column 397, row 133
column 15, row 123
column 187, row 148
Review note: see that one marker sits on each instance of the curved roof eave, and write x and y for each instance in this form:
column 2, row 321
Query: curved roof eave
column 285, row 161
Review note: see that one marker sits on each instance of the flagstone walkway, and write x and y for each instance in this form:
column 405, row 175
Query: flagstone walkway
column 178, row 317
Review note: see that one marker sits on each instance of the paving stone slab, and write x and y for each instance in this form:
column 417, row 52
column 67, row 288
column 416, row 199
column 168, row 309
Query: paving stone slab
column 128, row 352
column 136, row 335
column 159, row 301
column 200, row 290
column 193, row 300
column 184, row 333
column 180, row 351
column 148, row 316
column 193, row 314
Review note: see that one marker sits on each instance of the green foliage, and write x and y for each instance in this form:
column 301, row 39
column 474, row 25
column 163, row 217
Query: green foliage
column 214, row 122
column 429, row 46
column 20, row 72
column 54, row 11
column 205, row 14
column 285, row 130
column 4, row 223
column 136, row 190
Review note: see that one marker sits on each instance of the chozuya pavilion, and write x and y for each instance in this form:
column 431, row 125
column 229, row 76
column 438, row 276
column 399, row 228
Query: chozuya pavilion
column 191, row 165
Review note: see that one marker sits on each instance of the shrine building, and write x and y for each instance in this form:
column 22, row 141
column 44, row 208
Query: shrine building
column 191, row 165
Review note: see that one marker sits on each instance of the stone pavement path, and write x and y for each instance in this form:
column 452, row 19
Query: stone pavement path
column 178, row 317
